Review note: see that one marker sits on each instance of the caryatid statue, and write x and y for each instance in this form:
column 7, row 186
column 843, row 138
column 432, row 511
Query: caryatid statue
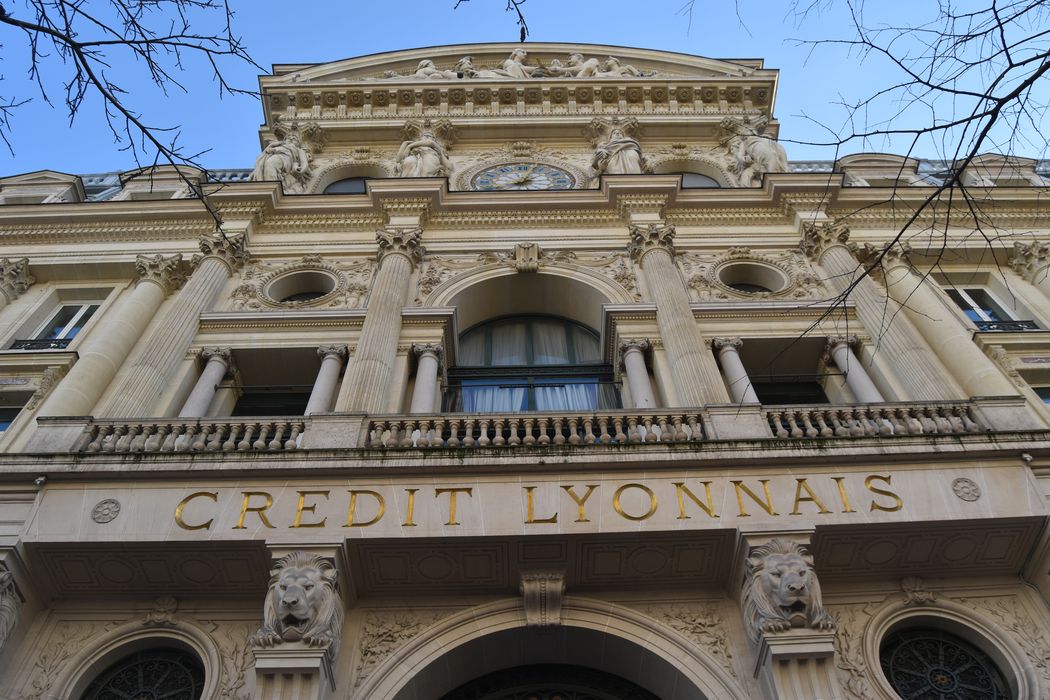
column 751, row 152
column 285, row 159
column 617, row 152
column 423, row 153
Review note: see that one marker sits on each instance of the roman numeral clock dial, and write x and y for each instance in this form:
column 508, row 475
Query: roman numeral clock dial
column 523, row 176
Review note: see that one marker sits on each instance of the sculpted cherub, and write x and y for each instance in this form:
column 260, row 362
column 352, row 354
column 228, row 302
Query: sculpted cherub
column 781, row 591
column 302, row 604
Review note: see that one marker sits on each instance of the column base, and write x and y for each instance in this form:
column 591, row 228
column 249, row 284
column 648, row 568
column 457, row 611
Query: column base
column 798, row 664
column 293, row 671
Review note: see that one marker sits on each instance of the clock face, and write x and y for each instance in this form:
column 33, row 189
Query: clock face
column 523, row 176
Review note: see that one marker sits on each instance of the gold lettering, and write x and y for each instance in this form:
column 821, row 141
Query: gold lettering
column 380, row 508
column 312, row 509
column 581, row 515
column 882, row 492
column 258, row 510
column 681, row 490
column 619, row 508
column 810, row 497
column 452, row 501
column 213, row 495
column 410, row 511
column 846, row 507
column 767, row 505
column 530, row 508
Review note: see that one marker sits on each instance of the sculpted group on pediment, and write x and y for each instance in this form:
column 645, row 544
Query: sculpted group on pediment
column 517, row 66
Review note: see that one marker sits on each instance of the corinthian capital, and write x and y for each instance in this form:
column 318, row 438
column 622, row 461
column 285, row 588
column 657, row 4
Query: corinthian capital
column 401, row 240
column 646, row 238
column 720, row 344
column 1029, row 259
column 216, row 354
column 230, row 249
column 339, row 351
column 817, row 238
column 14, row 277
column 166, row 272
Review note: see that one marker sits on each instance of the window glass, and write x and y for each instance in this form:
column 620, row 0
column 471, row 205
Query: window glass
column 585, row 343
column 158, row 673
column 692, row 180
column 569, row 394
column 350, row 185
column 1044, row 393
column 932, row 663
column 978, row 304
column 549, row 342
column 69, row 320
column 508, row 344
column 271, row 403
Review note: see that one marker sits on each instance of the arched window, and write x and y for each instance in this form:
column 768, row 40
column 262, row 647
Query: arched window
column 530, row 363
column 932, row 663
column 168, row 673
column 350, row 185
column 691, row 180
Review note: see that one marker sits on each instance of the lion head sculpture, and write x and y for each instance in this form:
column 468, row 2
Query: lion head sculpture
column 302, row 604
column 781, row 591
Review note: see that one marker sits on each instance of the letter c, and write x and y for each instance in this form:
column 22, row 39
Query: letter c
column 213, row 495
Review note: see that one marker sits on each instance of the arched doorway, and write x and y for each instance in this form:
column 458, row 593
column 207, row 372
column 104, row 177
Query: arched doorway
column 550, row 682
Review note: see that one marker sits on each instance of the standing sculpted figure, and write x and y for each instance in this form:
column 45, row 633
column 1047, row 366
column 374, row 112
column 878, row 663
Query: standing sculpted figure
column 751, row 152
column 514, row 66
column 619, row 155
column 284, row 160
column 422, row 154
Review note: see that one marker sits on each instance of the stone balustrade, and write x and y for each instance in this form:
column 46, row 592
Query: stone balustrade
column 533, row 429
column 241, row 435
column 880, row 419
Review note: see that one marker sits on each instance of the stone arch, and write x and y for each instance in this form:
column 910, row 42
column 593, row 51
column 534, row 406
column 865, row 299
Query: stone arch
column 570, row 291
column 341, row 169
column 693, row 162
column 595, row 634
column 964, row 621
column 130, row 638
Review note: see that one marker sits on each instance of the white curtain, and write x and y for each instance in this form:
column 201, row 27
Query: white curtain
column 586, row 346
column 549, row 346
column 493, row 399
column 566, row 397
column 472, row 349
column 508, row 344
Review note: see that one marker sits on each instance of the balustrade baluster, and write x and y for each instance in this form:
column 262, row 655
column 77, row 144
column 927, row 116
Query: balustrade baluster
column 278, row 438
column 87, row 436
column 231, row 442
column 468, row 433
column 969, row 425
column 405, row 429
column 589, row 437
column 140, row 433
column 453, row 433
column 292, row 442
column 633, row 435
column 437, row 438
column 677, row 430
column 823, row 429
column 100, row 436
column 867, row 422
column 559, row 438
column 776, row 423
column 529, row 439
column 249, row 433
column 621, row 437
column 483, row 437
column 110, row 443
column 940, row 416
column 928, row 423
column 185, row 441
column 424, row 434
column 696, row 427
column 497, row 433
column 665, row 433
column 515, row 439
column 793, row 427
column 545, row 438
column 807, row 424
column 650, row 434
column 574, row 436
column 156, row 438
column 202, row 438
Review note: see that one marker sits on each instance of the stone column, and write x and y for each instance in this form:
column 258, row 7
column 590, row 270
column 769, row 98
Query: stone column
column 828, row 245
column 149, row 369
column 977, row 374
column 698, row 381
column 332, row 357
column 424, row 393
column 104, row 351
column 1032, row 262
column 14, row 279
column 369, row 376
column 857, row 379
column 218, row 362
column 740, row 389
column 633, row 353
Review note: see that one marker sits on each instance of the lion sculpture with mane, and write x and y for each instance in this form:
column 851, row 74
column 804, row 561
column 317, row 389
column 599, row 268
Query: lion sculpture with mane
column 781, row 591
column 302, row 604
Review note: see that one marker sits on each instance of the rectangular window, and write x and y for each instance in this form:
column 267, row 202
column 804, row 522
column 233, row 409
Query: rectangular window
column 1043, row 392
column 11, row 404
column 981, row 307
column 60, row 328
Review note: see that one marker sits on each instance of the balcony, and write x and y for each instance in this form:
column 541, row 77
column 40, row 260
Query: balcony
column 193, row 435
column 37, row 345
column 885, row 419
column 1006, row 326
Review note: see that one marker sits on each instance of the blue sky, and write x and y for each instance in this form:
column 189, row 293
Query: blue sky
column 317, row 31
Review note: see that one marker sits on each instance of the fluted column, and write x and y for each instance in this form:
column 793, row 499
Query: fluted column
column 1032, row 262
column 951, row 341
column 740, row 389
column 857, row 379
column 697, row 379
column 14, row 279
column 424, row 393
column 103, row 353
column 895, row 335
column 149, row 369
column 370, row 375
column 218, row 362
column 633, row 350
column 332, row 358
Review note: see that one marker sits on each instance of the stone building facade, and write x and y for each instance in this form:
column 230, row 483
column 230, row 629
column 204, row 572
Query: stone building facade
column 525, row 373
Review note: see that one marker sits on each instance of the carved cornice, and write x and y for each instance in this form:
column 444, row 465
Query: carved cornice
column 339, row 351
column 817, row 238
column 401, row 240
column 1029, row 259
column 164, row 271
column 231, row 250
column 15, row 278
column 649, row 237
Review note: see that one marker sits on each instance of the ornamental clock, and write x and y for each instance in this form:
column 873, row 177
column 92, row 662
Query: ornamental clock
column 523, row 176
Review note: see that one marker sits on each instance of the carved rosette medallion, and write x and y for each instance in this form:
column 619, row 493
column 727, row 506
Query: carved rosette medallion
column 14, row 277
column 230, row 249
column 105, row 511
column 164, row 271
column 649, row 237
column 401, row 240
column 966, row 489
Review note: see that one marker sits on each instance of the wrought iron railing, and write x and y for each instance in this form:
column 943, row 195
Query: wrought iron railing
column 534, row 429
column 1006, row 326
column 873, row 419
column 34, row 344
column 192, row 435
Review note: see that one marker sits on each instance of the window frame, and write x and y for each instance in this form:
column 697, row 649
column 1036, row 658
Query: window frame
column 72, row 323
